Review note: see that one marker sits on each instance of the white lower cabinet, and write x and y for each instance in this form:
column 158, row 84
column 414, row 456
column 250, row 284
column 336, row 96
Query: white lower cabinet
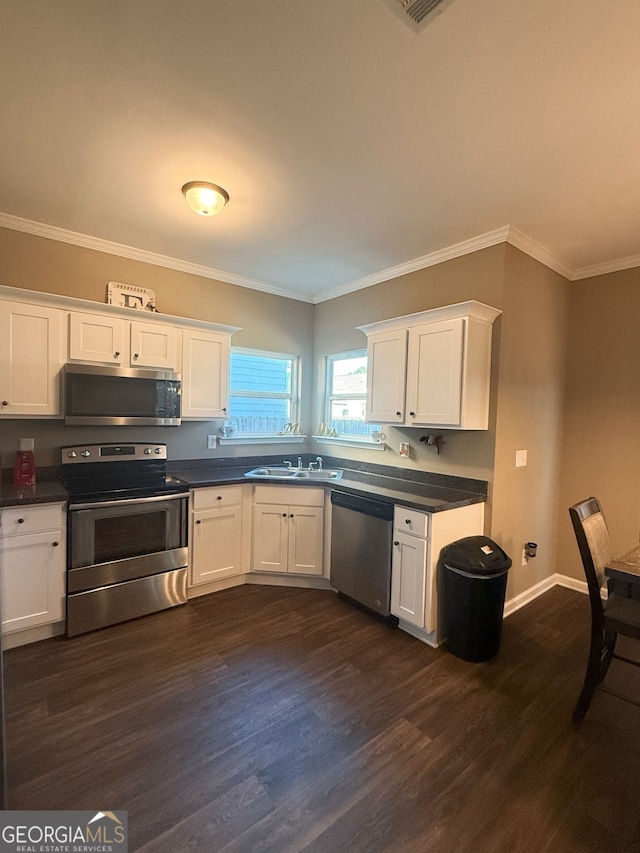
column 288, row 530
column 418, row 538
column 217, row 534
column 32, row 565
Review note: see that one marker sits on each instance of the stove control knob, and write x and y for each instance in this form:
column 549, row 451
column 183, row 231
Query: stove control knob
column 72, row 454
column 148, row 451
column 86, row 453
column 158, row 450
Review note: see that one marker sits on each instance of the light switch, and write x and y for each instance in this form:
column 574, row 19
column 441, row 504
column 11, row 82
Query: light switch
column 521, row 458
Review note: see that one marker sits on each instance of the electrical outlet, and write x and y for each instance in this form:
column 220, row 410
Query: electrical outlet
column 521, row 458
column 525, row 559
column 27, row 444
column 212, row 441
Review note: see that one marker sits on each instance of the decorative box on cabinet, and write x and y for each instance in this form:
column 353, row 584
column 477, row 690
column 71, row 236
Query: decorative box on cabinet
column 288, row 526
column 418, row 538
column 33, row 565
column 31, row 358
column 431, row 369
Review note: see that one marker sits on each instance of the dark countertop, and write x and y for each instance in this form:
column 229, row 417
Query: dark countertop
column 405, row 490
column 46, row 491
column 423, row 496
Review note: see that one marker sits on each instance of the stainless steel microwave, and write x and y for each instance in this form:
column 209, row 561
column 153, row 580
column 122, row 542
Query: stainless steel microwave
column 114, row 396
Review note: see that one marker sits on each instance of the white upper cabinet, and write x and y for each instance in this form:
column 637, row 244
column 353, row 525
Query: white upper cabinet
column 387, row 362
column 111, row 340
column 433, row 368
column 31, row 358
column 205, row 374
column 97, row 338
column 155, row 345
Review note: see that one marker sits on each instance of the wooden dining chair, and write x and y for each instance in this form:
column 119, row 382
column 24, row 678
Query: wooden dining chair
column 616, row 615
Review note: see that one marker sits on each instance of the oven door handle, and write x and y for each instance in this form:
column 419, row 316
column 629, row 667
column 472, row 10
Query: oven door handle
column 130, row 502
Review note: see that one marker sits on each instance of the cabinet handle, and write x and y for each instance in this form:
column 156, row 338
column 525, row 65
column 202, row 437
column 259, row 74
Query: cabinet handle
column 21, row 521
column 413, row 414
column 5, row 402
column 55, row 544
column 396, row 543
column 116, row 354
column 399, row 414
column 284, row 514
column 224, row 408
column 219, row 497
column 290, row 515
column 135, row 355
column 198, row 521
column 407, row 521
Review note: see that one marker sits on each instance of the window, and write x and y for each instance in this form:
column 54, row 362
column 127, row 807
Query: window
column 347, row 395
column 263, row 388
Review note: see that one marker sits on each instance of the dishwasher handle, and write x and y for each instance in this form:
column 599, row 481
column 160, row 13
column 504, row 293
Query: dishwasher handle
column 367, row 506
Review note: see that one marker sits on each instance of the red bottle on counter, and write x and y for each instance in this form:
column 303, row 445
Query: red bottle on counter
column 24, row 471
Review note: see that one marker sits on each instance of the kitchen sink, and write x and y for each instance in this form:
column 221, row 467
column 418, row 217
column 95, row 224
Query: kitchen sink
column 282, row 473
column 323, row 474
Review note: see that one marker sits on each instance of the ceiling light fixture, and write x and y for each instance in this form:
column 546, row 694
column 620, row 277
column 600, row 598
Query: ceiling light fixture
column 205, row 199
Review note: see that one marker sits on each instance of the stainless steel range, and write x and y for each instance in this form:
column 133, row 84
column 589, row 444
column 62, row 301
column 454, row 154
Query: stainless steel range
column 127, row 534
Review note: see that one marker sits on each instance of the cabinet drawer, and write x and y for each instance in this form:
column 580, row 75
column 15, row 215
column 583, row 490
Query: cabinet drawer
column 411, row 521
column 295, row 495
column 30, row 519
column 215, row 496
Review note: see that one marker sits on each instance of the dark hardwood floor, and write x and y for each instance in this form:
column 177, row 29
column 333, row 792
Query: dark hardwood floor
column 274, row 719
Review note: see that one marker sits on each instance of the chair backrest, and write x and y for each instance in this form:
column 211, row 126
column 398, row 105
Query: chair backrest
column 592, row 534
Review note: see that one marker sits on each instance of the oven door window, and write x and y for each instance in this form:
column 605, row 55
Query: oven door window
column 105, row 534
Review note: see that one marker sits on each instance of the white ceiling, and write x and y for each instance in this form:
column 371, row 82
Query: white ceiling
column 348, row 144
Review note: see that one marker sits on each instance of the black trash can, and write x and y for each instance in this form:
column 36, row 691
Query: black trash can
column 473, row 580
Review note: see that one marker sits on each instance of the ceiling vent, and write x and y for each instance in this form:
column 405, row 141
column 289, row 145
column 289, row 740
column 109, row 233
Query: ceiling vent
column 417, row 13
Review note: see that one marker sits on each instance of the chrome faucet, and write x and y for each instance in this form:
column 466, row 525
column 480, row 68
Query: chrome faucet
column 319, row 461
column 287, row 463
column 299, row 463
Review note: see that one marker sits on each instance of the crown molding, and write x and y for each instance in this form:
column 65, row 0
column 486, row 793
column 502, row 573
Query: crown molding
column 507, row 234
column 85, row 241
column 538, row 252
column 466, row 247
column 607, row 267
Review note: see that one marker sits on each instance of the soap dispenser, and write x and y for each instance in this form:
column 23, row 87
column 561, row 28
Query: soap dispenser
column 24, row 472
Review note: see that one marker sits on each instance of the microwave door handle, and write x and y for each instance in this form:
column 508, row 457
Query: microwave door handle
column 131, row 502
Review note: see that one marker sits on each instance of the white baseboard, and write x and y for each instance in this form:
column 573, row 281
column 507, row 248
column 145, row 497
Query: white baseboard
column 540, row 588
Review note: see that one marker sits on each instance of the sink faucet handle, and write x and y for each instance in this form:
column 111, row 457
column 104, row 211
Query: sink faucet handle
column 300, row 463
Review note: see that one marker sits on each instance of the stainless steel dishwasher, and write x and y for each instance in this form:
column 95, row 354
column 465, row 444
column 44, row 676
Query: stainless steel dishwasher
column 361, row 543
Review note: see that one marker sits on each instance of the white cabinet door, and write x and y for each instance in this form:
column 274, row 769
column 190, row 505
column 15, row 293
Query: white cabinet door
column 205, row 374
column 409, row 578
column 32, row 580
column 306, row 526
column 216, row 544
column 270, row 538
column 97, row 338
column 386, row 377
column 434, row 374
column 154, row 345
column 31, row 358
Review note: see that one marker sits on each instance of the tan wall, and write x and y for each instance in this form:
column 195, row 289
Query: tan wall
column 268, row 322
column 476, row 276
column 601, row 448
column 525, row 501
